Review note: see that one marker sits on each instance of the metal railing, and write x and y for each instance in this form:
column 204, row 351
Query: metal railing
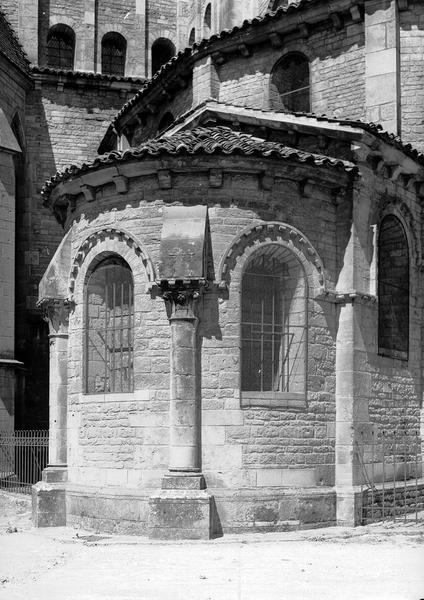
column 391, row 464
column 23, row 456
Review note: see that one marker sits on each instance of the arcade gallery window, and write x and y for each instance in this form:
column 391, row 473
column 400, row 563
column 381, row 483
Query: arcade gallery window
column 290, row 85
column 393, row 289
column 273, row 327
column 60, row 47
column 114, row 50
column 108, row 324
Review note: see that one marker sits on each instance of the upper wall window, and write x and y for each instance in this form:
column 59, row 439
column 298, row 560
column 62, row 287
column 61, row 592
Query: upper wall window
column 273, row 327
column 162, row 51
column 393, row 289
column 290, row 86
column 114, row 50
column 192, row 37
column 207, row 22
column 108, row 328
column 60, row 47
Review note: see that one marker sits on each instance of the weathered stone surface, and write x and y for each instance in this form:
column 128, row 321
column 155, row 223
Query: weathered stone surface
column 180, row 515
column 48, row 505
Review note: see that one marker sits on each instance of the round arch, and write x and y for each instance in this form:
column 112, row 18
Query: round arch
column 252, row 238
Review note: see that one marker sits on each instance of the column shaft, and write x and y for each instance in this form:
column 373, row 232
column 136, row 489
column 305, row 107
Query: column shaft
column 58, row 400
column 184, row 403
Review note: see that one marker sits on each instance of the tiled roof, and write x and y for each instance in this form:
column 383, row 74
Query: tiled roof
column 374, row 128
column 208, row 140
column 10, row 45
column 86, row 74
column 205, row 43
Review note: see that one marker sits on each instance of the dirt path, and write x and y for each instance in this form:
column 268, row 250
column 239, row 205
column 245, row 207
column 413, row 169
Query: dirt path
column 384, row 561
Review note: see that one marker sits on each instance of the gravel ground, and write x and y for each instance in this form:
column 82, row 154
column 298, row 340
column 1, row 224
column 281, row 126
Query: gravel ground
column 380, row 561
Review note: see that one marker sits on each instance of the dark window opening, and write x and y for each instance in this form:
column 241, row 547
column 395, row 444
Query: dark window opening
column 290, row 85
column 162, row 51
column 114, row 49
column 166, row 121
column 207, row 21
column 273, row 328
column 192, row 37
column 109, row 328
column 393, row 289
column 60, row 47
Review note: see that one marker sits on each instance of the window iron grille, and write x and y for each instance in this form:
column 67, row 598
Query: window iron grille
column 109, row 329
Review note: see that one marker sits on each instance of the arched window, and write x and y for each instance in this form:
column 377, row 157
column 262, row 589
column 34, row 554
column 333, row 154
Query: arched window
column 192, row 37
column 290, row 86
column 114, row 50
column 162, row 51
column 393, row 289
column 166, row 121
column 273, row 328
column 60, row 47
column 207, row 22
column 109, row 328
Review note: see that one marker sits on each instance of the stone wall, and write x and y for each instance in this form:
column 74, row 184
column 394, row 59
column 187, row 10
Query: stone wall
column 411, row 75
column 259, row 452
column 62, row 127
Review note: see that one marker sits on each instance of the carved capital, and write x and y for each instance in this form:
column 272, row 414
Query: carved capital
column 181, row 297
column 56, row 313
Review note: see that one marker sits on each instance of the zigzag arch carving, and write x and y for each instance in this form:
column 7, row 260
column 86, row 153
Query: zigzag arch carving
column 271, row 232
column 111, row 233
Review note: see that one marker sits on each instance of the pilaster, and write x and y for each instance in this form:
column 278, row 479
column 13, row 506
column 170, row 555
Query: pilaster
column 382, row 50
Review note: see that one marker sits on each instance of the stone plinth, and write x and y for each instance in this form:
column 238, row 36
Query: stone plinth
column 180, row 514
column 181, row 510
column 48, row 505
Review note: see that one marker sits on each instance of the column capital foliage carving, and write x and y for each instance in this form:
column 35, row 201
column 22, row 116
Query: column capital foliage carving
column 181, row 297
column 56, row 313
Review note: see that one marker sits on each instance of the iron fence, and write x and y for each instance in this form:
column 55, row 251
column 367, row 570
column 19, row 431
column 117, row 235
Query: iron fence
column 23, row 456
column 391, row 464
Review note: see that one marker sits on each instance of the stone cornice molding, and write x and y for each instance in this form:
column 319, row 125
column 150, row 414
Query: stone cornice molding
column 263, row 233
column 111, row 233
column 344, row 298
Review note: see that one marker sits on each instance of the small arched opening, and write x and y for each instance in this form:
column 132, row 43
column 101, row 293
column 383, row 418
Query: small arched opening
column 114, row 50
column 166, row 121
column 60, row 47
column 207, row 21
column 162, row 51
column 290, row 84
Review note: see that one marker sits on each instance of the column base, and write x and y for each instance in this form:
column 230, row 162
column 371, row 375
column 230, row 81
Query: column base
column 49, row 498
column 181, row 510
column 349, row 507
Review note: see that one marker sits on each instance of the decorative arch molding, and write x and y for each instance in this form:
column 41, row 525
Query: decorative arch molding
column 98, row 238
column 389, row 206
column 252, row 238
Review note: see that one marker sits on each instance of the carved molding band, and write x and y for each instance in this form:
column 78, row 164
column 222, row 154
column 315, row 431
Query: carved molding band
column 111, row 233
column 267, row 233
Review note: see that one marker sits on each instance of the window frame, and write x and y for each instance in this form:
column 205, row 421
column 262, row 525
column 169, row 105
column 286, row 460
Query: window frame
column 276, row 399
column 279, row 65
column 108, row 42
column 113, row 259
column 60, row 32
column 384, row 351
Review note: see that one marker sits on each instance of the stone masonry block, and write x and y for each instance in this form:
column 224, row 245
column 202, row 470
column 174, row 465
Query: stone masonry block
column 180, row 514
column 48, row 505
